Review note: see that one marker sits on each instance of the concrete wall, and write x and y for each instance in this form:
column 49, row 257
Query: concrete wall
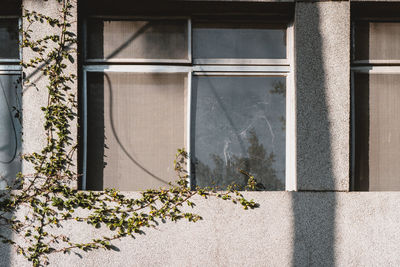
column 289, row 229
column 307, row 228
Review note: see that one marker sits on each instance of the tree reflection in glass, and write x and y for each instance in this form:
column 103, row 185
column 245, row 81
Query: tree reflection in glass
column 238, row 124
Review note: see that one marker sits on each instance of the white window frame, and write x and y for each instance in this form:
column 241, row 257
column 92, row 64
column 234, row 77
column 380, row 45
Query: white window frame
column 272, row 67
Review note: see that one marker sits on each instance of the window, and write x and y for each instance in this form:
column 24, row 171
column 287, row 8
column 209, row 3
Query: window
column 10, row 101
column 221, row 88
column 376, row 105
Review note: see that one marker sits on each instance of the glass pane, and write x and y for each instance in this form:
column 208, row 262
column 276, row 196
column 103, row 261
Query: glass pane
column 10, row 129
column 238, row 123
column 9, row 39
column 239, row 40
column 136, row 123
column 377, row 41
column 139, row 39
column 377, row 143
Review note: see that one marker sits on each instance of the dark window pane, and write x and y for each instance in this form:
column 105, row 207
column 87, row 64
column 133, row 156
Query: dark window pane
column 136, row 123
column 127, row 39
column 9, row 39
column 10, row 129
column 238, row 123
column 239, row 41
column 377, row 41
column 377, row 143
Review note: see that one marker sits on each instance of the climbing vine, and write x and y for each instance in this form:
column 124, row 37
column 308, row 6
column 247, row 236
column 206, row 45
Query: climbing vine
column 37, row 204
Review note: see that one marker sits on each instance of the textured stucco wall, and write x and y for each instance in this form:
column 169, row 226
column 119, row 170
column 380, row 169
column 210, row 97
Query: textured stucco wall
column 322, row 62
column 35, row 96
column 363, row 230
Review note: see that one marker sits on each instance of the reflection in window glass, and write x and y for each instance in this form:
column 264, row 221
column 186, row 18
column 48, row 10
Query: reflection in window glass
column 10, row 129
column 9, row 39
column 134, row 39
column 240, row 41
column 238, row 123
column 136, row 123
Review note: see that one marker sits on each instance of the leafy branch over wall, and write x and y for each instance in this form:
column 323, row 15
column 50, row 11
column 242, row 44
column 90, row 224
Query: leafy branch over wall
column 36, row 206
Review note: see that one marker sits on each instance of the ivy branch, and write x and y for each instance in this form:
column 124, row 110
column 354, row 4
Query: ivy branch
column 36, row 205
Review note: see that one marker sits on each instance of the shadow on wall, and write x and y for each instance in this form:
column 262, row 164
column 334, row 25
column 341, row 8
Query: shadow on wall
column 5, row 249
column 314, row 229
column 314, row 212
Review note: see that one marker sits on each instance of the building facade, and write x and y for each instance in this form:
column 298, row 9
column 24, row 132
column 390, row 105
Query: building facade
column 303, row 94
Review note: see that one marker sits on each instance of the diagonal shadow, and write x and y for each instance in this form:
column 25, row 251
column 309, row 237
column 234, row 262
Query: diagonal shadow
column 142, row 30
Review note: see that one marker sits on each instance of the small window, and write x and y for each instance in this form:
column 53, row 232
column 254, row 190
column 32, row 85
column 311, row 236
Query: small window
column 255, row 41
column 377, row 42
column 10, row 101
column 137, row 40
column 217, row 88
column 376, row 105
column 9, row 37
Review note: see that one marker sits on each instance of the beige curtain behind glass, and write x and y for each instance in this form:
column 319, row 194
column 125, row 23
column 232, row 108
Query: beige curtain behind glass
column 384, row 133
column 144, row 125
column 377, row 41
column 130, row 39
